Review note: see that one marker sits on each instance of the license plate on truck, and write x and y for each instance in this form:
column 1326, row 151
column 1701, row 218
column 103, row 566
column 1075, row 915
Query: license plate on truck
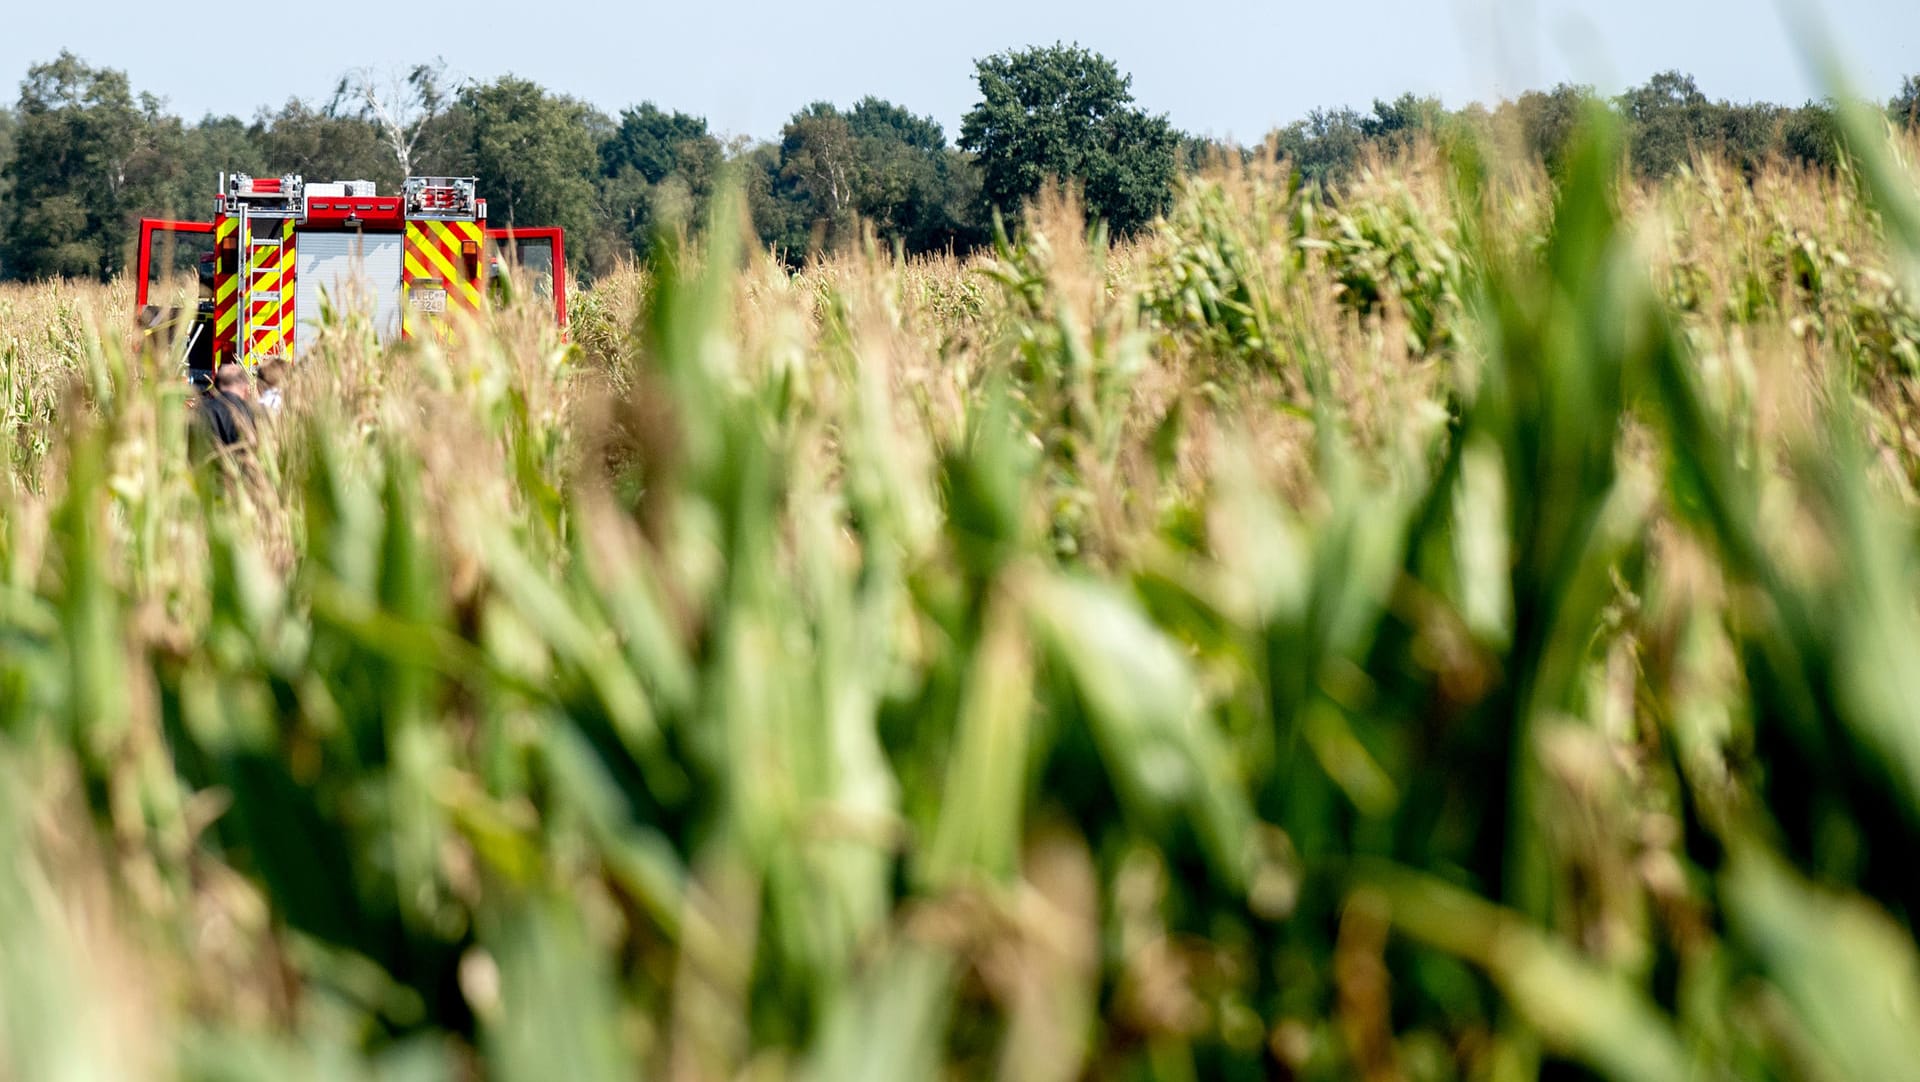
column 429, row 300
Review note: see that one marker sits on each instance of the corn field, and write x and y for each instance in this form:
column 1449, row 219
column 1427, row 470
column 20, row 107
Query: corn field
column 1465, row 626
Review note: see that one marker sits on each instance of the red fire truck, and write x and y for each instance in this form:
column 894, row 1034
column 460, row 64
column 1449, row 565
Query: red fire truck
column 278, row 246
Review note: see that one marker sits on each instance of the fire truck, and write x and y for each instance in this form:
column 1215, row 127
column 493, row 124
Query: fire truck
column 278, row 247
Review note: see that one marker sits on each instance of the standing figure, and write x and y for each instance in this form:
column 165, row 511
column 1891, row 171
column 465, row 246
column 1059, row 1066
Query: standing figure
column 224, row 418
column 273, row 381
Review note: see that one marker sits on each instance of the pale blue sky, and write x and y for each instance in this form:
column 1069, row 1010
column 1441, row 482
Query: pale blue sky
column 1214, row 66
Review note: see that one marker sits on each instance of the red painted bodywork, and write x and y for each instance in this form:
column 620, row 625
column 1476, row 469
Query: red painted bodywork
column 376, row 214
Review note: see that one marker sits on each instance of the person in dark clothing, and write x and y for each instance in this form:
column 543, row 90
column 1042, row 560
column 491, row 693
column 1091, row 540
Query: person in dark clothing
column 224, row 418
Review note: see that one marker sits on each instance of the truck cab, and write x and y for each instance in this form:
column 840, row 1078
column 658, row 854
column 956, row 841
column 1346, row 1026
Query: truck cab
column 279, row 250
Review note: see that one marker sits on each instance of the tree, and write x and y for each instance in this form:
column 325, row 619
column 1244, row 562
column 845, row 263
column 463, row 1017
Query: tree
column 535, row 155
column 1905, row 106
column 1063, row 112
column 6, row 156
column 1811, row 135
column 913, row 188
column 821, row 168
column 320, row 145
column 1667, row 119
column 1398, row 121
column 87, row 158
column 780, row 221
column 219, row 144
column 656, row 168
column 873, row 118
column 878, row 163
column 654, row 142
column 1747, row 135
column 1548, row 120
column 1325, row 148
column 401, row 107
column 6, row 140
column 1199, row 152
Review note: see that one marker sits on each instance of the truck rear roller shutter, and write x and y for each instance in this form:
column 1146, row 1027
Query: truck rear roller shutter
column 358, row 270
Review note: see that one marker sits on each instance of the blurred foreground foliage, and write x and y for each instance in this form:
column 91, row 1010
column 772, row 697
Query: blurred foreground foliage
column 1461, row 633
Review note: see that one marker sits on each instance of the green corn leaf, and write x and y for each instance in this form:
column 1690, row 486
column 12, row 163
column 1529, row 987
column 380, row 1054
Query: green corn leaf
column 1578, row 1009
column 1850, row 972
column 1144, row 707
column 557, row 1016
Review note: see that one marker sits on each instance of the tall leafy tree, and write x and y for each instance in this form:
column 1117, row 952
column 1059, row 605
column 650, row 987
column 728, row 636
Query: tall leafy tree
column 322, row 145
column 218, row 144
column 822, row 170
column 535, row 154
column 1668, row 118
column 1905, row 106
column 656, row 167
column 1402, row 118
column 88, row 157
column 780, row 220
column 1811, row 135
column 653, row 142
column 917, row 191
column 1547, row 121
column 1065, row 112
column 877, row 163
column 1747, row 135
column 6, row 156
column 874, row 118
column 1325, row 147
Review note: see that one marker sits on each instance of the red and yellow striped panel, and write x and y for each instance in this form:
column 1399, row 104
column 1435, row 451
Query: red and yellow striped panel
column 289, row 264
column 439, row 257
column 226, row 286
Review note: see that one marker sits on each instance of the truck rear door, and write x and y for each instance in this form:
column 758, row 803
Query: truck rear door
column 173, row 287
column 168, row 262
column 536, row 255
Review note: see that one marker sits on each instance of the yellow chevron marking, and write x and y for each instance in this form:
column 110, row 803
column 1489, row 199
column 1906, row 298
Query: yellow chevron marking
column 443, row 266
column 437, row 258
column 448, row 236
column 457, row 234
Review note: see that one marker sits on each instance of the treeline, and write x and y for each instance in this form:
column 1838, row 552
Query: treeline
column 1668, row 120
column 83, row 155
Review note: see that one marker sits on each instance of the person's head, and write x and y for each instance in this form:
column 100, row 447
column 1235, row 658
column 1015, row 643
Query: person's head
column 230, row 379
column 273, row 373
